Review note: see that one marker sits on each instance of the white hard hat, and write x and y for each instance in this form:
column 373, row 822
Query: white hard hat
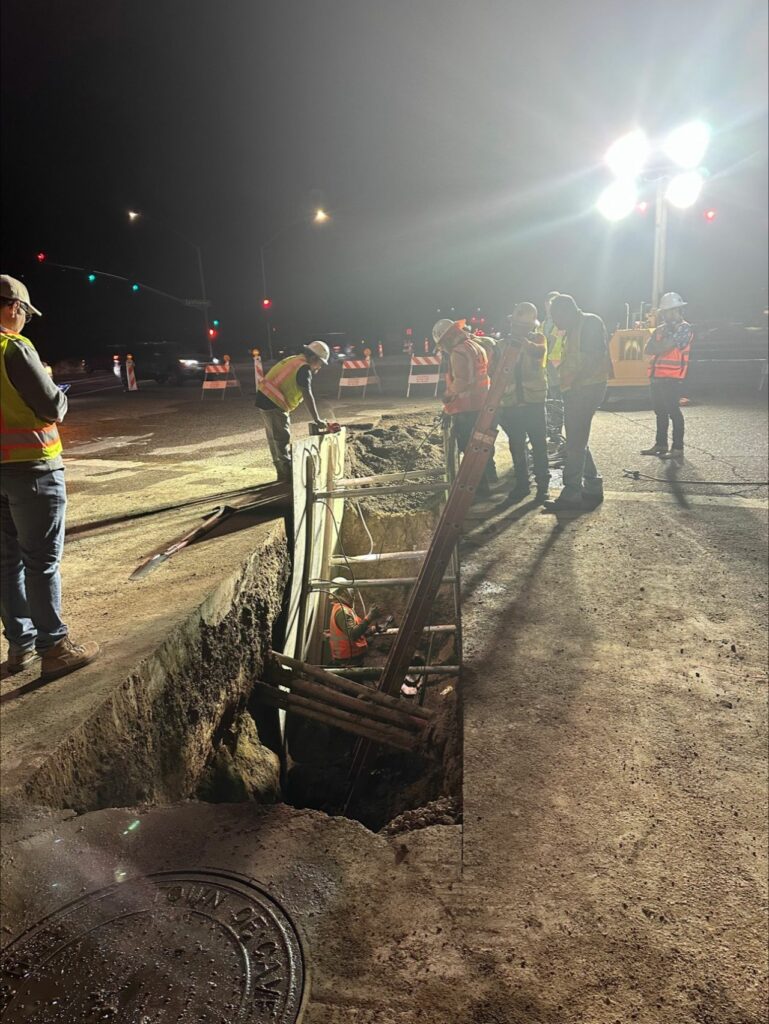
column 440, row 329
column 341, row 583
column 319, row 349
column 671, row 300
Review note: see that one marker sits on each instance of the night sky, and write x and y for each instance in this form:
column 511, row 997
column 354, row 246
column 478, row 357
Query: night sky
column 457, row 146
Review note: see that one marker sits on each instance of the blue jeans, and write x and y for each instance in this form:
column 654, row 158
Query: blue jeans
column 32, row 508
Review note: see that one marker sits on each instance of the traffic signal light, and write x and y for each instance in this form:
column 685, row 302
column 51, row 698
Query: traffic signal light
column 710, row 215
column 91, row 278
column 41, row 257
column 212, row 333
column 266, row 303
column 134, row 287
column 215, row 323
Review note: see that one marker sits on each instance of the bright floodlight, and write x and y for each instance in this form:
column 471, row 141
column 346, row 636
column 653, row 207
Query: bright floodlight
column 321, row 216
column 627, row 156
column 684, row 189
column 132, row 214
column 618, row 200
column 686, row 145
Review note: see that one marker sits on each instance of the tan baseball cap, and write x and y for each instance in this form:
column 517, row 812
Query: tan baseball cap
column 10, row 288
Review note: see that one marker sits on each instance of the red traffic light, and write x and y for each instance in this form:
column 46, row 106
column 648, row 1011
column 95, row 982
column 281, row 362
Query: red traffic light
column 212, row 333
column 266, row 303
column 710, row 215
column 41, row 257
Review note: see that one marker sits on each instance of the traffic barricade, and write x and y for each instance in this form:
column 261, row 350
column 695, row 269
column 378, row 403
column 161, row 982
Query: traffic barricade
column 424, row 370
column 358, row 373
column 130, row 370
column 219, row 377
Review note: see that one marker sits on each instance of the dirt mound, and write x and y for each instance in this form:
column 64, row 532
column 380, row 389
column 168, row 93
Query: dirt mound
column 444, row 811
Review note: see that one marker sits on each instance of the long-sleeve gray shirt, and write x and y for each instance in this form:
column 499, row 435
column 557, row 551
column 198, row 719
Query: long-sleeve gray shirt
column 27, row 374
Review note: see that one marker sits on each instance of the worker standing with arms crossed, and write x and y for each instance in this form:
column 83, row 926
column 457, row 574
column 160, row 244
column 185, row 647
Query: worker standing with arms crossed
column 33, row 500
column 467, row 384
column 283, row 389
column 670, row 347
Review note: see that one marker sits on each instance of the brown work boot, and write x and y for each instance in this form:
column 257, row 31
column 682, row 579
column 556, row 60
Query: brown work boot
column 65, row 657
column 20, row 658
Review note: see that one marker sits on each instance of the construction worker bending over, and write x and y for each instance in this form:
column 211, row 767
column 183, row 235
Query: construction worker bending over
column 670, row 347
column 283, row 389
column 583, row 374
column 346, row 629
column 522, row 409
column 33, row 500
column 467, row 383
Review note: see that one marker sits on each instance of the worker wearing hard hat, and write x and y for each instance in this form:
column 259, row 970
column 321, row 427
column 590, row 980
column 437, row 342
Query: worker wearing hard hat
column 346, row 629
column 522, row 407
column 283, row 389
column 33, row 500
column 669, row 347
column 467, row 383
column 489, row 346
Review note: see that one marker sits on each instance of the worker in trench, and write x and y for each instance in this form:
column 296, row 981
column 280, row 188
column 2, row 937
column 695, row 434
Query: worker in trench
column 281, row 391
column 467, row 385
column 347, row 631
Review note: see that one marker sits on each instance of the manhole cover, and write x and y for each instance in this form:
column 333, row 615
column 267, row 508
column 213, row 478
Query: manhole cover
column 169, row 948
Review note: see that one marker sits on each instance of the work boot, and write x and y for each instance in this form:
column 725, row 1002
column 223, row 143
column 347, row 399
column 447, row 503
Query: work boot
column 542, row 495
column 518, row 494
column 562, row 504
column 675, row 454
column 65, row 657
column 20, row 658
column 656, row 449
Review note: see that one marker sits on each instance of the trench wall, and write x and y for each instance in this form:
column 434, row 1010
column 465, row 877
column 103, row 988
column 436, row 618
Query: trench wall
column 148, row 739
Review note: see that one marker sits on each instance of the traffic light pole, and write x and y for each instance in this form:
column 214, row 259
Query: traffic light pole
column 660, row 241
column 204, row 306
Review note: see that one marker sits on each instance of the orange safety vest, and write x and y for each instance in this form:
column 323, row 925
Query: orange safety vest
column 342, row 647
column 672, row 364
column 473, row 399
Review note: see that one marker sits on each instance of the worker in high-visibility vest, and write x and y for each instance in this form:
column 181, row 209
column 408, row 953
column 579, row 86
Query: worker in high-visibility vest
column 554, row 404
column 670, row 348
column 467, row 384
column 33, row 500
column 283, row 389
column 346, row 629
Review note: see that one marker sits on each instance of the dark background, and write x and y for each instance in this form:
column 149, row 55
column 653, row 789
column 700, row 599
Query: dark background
column 457, row 146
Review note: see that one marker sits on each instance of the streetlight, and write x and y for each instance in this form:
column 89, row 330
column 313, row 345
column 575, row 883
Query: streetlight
column 133, row 216
column 319, row 217
column 627, row 159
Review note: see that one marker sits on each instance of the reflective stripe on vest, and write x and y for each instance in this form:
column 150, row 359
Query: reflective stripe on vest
column 342, row 647
column 24, row 437
column 280, row 386
column 673, row 364
column 472, row 400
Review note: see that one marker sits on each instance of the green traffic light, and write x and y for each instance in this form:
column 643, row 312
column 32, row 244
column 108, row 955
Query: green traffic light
column 215, row 323
column 91, row 278
column 134, row 287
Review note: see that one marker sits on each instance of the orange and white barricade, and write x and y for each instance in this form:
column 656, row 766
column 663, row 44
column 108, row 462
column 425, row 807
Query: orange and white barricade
column 358, row 373
column 219, row 377
column 424, row 370
column 130, row 372
column 258, row 368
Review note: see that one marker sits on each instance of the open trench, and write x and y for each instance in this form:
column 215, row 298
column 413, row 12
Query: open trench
column 180, row 793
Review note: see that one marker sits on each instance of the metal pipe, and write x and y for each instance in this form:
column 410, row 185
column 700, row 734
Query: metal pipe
column 375, row 492
column 385, row 556
column 396, row 581
column 354, row 481
column 366, row 672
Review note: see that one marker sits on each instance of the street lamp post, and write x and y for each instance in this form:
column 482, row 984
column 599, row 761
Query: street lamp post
column 134, row 215
column 320, row 217
column 678, row 182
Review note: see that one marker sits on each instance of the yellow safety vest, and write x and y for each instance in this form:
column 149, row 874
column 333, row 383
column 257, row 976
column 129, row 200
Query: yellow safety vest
column 280, row 385
column 24, row 437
